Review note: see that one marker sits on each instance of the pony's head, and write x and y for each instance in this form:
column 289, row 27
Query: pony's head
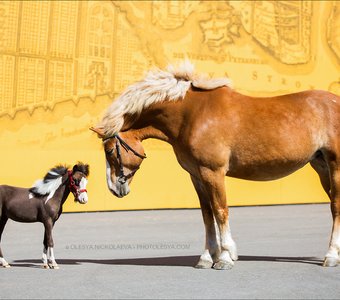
column 124, row 154
column 78, row 181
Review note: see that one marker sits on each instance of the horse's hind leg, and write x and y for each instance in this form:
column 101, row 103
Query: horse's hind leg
column 332, row 256
column 321, row 167
column 3, row 221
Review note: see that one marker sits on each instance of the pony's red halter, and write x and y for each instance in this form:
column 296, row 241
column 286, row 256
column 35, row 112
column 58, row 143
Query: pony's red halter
column 76, row 191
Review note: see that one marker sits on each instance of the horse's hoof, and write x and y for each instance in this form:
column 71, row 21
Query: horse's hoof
column 204, row 264
column 234, row 256
column 6, row 266
column 223, row 265
column 46, row 266
column 330, row 262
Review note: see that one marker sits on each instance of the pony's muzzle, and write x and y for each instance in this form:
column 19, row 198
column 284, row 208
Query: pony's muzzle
column 82, row 198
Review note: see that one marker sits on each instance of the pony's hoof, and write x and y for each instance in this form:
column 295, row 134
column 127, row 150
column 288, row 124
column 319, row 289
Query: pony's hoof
column 54, row 266
column 330, row 262
column 223, row 265
column 204, row 264
column 46, row 266
column 6, row 266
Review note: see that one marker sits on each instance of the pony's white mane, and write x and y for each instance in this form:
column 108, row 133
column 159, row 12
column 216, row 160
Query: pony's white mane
column 157, row 86
column 47, row 186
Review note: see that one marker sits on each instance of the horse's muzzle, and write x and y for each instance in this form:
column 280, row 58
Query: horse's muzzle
column 121, row 189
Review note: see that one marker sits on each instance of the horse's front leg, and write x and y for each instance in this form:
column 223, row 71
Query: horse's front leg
column 212, row 247
column 213, row 182
column 48, row 252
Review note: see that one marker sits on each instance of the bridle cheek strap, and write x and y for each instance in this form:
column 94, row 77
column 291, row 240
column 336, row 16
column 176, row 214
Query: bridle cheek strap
column 122, row 178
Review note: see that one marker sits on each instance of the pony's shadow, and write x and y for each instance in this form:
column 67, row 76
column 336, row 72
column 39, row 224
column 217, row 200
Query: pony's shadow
column 170, row 261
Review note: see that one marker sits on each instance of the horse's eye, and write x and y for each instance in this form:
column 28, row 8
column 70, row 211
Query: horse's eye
column 109, row 152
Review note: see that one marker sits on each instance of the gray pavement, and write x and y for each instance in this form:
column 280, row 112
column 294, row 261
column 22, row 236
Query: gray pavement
column 151, row 254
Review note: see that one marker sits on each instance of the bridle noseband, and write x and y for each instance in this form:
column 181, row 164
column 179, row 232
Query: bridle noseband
column 76, row 191
column 122, row 178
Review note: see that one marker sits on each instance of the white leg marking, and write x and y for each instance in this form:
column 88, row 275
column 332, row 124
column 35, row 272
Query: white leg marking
column 50, row 254
column 228, row 243
column 44, row 257
column 206, row 256
column 4, row 263
column 334, row 248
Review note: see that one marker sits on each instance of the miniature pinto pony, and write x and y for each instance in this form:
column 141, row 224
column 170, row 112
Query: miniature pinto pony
column 43, row 203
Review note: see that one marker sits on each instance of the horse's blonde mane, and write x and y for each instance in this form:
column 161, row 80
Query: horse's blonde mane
column 157, row 86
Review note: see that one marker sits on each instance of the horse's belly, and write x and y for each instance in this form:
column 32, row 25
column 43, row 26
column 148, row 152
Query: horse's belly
column 263, row 171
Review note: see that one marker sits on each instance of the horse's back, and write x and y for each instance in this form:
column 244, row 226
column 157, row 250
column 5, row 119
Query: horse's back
column 262, row 138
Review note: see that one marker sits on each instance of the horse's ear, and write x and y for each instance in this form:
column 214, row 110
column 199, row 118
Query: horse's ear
column 99, row 131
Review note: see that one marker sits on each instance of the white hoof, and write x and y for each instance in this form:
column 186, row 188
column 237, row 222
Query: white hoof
column 223, row 265
column 330, row 262
column 204, row 264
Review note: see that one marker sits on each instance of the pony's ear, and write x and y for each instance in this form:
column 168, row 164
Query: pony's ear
column 99, row 131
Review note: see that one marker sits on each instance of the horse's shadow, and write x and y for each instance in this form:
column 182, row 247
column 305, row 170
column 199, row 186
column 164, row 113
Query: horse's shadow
column 170, row 261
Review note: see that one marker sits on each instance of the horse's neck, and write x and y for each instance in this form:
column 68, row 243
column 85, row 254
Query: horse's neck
column 161, row 121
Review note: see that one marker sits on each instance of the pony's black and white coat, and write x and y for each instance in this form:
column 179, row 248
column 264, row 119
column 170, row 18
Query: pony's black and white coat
column 43, row 203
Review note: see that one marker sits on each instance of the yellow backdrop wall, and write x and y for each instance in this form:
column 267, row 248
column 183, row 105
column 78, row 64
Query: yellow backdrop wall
column 63, row 62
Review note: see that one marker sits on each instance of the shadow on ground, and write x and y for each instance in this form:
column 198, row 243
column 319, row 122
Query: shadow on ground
column 171, row 261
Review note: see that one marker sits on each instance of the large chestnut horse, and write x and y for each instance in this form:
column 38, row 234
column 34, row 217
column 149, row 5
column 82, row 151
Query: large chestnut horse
column 216, row 131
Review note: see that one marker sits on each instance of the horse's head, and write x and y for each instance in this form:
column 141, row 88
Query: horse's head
column 124, row 154
column 78, row 181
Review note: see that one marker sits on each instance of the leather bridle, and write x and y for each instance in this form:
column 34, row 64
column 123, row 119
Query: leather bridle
column 122, row 178
column 76, row 191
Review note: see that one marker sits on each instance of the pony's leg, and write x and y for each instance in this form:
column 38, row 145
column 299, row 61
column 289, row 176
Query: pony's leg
column 3, row 221
column 44, row 254
column 50, row 253
column 215, row 189
column 332, row 256
column 212, row 248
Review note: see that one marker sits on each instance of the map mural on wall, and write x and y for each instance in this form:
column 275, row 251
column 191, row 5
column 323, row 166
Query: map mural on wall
column 56, row 51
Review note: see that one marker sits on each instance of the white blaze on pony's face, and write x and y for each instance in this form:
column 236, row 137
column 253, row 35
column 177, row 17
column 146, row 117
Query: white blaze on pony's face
column 83, row 197
column 78, row 182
